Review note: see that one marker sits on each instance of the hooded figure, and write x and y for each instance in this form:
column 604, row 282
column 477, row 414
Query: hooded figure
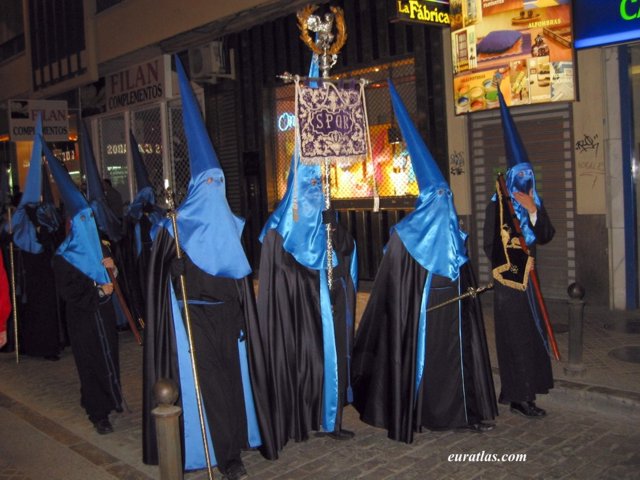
column 107, row 220
column 221, row 303
column 109, row 227
column 305, row 329
column 139, row 218
column 521, row 340
column 36, row 228
column 413, row 368
column 80, row 266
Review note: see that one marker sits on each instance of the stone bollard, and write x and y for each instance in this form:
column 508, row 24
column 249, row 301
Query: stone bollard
column 167, row 423
column 575, row 367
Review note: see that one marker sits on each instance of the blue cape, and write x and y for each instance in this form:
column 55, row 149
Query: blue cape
column 24, row 232
column 305, row 237
column 431, row 233
column 209, row 232
column 298, row 220
column 81, row 247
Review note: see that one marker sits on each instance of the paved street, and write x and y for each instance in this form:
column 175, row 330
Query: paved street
column 46, row 436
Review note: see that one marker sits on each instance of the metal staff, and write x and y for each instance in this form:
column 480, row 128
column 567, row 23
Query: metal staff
column 183, row 287
column 13, row 288
column 471, row 292
column 533, row 275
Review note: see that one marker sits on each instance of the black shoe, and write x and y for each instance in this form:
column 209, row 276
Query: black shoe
column 235, row 470
column 527, row 409
column 479, row 427
column 103, row 426
column 342, row 434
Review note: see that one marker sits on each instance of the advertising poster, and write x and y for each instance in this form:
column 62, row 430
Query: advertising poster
column 529, row 42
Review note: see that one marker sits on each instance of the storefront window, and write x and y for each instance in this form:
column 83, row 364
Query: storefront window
column 113, row 143
column 389, row 169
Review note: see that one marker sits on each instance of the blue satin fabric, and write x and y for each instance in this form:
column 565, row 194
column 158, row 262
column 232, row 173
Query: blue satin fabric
column 421, row 340
column 514, row 148
column 142, row 177
column 145, row 196
column 431, row 233
column 73, row 200
column 330, row 385
column 82, row 247
column 306, row 237
column 209, row 232
column 520, row 178
column 194, row 457
column 24, row 232
column 135, row 210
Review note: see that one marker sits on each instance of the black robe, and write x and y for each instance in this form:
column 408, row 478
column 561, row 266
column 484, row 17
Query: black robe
column 525, row 367
column 291, row 338
column 40, row 326
column 216, row 330
column 94, row 340
column 456, row 387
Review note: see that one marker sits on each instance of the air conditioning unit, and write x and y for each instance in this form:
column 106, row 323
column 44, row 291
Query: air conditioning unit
column 211, row 61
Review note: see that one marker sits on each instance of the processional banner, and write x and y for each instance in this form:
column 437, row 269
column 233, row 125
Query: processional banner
column 332, row 123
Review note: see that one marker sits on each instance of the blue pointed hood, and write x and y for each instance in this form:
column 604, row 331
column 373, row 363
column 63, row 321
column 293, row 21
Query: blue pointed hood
column 519, row 176
column 105, row 218
column 209, row 231
column 142, row 177
column 24, row 232
column 431, row 233
column 81, row 247
column 304, row 237
column 145, row 197
column 202, row 156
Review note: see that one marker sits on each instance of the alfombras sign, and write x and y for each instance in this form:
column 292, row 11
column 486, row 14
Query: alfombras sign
column 24, row 113
column 146, row 82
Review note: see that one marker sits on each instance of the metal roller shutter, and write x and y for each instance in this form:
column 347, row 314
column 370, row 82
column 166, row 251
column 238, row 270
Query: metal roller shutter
column 547, row 135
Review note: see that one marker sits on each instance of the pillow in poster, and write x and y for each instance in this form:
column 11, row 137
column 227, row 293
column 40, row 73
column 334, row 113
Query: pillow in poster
column 499, row 41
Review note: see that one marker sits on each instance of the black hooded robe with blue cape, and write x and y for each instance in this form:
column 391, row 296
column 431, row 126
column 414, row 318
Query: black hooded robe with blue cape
column 221, row 304
column 36, row 228
column 413, row 368
column 304, row 333
column 79, row 272
column 521, row 339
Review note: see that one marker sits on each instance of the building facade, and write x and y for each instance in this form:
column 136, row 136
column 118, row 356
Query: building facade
column 110, row 60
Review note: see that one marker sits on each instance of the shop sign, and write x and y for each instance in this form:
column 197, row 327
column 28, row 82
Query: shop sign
column 140, row 84
column 24, row 113
column 430, row 12
column 605, row 22
column 528, row 43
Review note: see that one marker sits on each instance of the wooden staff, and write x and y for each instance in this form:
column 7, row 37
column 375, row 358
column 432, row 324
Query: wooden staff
column 187, row 320
column 125, row 308
column 13, row 288
column 532, row 274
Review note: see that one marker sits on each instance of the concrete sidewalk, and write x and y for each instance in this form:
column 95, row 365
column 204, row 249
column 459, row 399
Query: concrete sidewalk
column 589, row 432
